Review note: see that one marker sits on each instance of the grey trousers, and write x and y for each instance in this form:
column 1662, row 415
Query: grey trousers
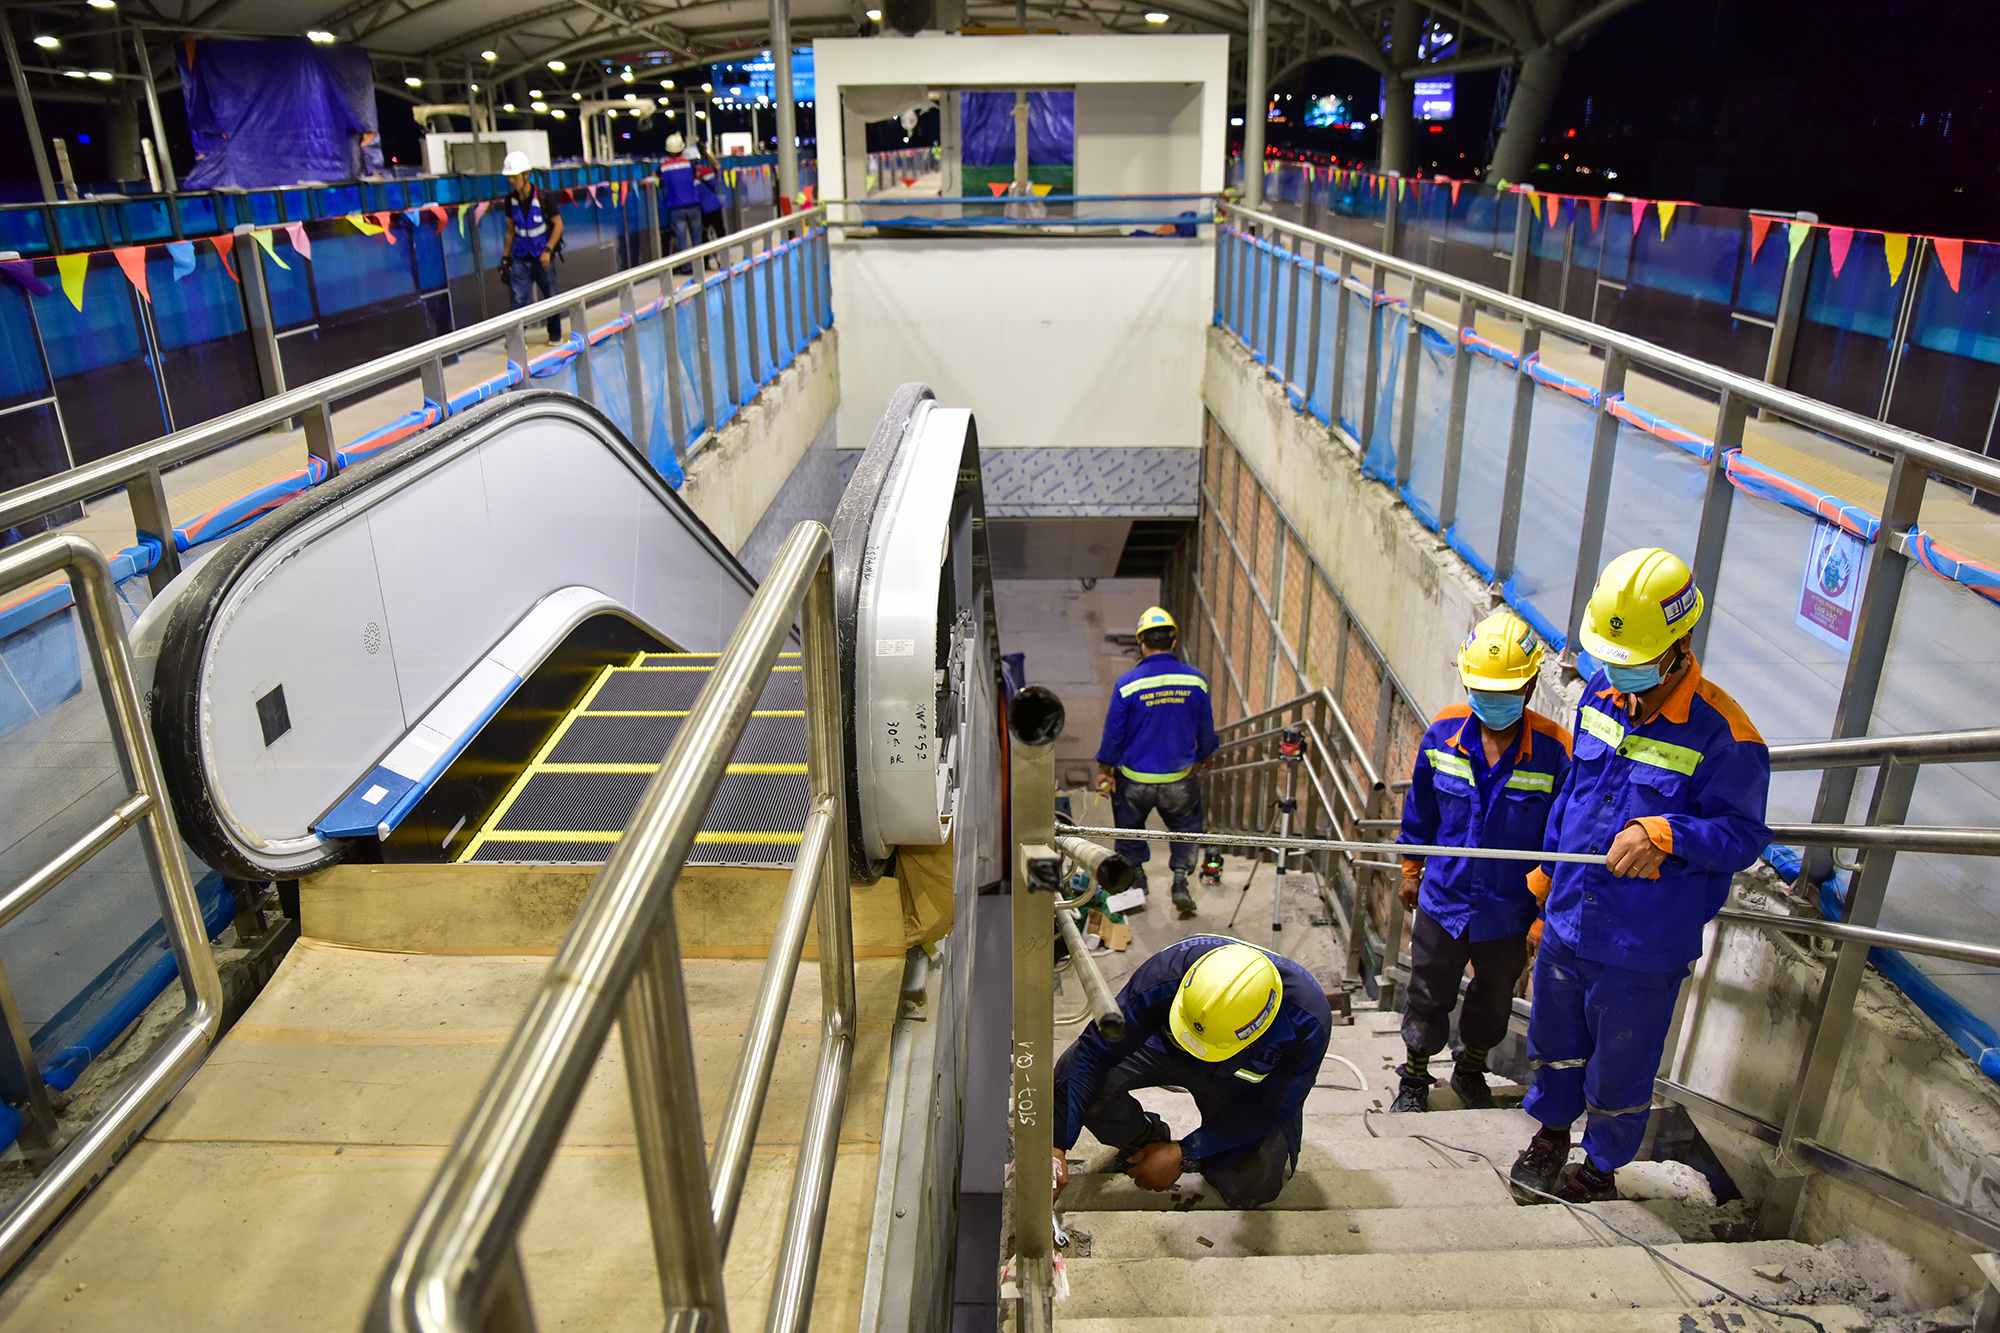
column 1437, row 962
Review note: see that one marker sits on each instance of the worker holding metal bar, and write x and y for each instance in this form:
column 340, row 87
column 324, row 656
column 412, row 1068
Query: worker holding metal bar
column 1486, row 775
column 1668, row 783
column 1243, row 1031
column 1158, row 734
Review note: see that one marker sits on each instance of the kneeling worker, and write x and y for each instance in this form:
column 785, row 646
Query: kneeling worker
column 1242, row 1030
column 1668, row 782
column 1486, row 774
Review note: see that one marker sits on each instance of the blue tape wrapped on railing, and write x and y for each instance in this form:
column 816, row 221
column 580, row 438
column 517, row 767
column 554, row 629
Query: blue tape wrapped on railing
column 486, row 388
column 1767, row 483
column 132, row 561
column 239, row 513
column 1944, row 562
column 1656, row 425
column 383, row 437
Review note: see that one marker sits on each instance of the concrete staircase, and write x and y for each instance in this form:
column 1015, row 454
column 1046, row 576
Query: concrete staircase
column 1384, row 1233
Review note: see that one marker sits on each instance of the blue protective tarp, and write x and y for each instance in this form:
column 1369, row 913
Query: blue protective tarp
column 986, row 133
column 276, row 112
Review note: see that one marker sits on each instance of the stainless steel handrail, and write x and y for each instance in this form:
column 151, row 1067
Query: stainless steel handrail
column 1927, row 747
column 458, row 1267
column 140, row 466
column 171, row 1063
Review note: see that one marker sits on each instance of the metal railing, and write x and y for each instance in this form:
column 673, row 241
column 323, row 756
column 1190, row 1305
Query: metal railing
column 140, row 469
column 69, row 1171
column 1913, row 458
column 459, row 1268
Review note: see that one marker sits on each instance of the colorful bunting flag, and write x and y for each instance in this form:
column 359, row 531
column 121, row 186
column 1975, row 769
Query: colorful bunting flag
column 264, row 243
column 1041, row 190
column 998, row 187
column 479, row 210
column 22, row 271
column 1895, row 248
column 1760, row 227
column 437, row 211
column 1454, row 194
column 1950, row 250
column 363, row 225
column 295, row 232
column 1837, row 241
column 1666, row 216
column 1595, row 205
column 72, row 268
column 463, row 209
column 132, row 259
column 1535, row 206
column 1795, row 237
column 1638, row 216
column 221, row 244
column 386, row 223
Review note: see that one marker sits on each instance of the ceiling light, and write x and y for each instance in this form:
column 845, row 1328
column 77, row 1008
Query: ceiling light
column 48, row 43
column 557, row 66
column 101, row 75
column 413, row 81
column 538, row 106
column 701, row 115
column 708, row 87
column 1155, row 16
column 534, row 92
column 668, row 84
column 506, row 106
column 1236, row 120
column 874, row 16
column 489, row 55
column 627, row 76
column 631, row 97
column 319, row 36
column 73, row 73
column 576, row 97
column 475, row 87
column 611, row 112
column 558, row 114
column 104, row 4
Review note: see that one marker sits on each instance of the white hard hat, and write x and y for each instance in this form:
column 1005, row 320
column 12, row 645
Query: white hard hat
column 675, row 143
column 515, row 165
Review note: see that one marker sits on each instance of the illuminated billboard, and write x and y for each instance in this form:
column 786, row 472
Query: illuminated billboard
column 1433, row 98
column 751, row 79
column 1329, row 112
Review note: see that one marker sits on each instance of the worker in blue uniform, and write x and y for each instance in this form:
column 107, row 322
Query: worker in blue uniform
column 1158, row 734
column 1668, row 782
column 533, row 240
column 679, row 197
column 1241, row 1030
column 1487, row 772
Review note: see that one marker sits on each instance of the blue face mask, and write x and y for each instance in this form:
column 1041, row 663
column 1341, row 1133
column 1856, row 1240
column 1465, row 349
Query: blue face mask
column 1633, row 680
column 1497, row 710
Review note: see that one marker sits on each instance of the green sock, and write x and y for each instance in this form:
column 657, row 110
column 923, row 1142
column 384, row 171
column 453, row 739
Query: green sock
column 1472, row 1057
column 1416, row 1066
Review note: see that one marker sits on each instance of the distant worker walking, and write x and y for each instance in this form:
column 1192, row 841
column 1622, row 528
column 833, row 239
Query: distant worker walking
column 533, row 240
column 1158, row 733
column 1487, row 773
column 1241, row 1030
column 1668, row 782
column 679, row 197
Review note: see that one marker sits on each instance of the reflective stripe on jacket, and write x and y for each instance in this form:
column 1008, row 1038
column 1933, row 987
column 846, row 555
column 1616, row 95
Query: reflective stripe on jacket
column 1695, row 776
column 1455, row 800
column 1160, row 723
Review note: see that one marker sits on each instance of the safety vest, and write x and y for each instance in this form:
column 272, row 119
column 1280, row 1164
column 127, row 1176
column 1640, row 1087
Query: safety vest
column 531, row 225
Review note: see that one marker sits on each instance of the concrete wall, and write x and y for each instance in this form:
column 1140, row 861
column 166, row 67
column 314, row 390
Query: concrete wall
column 733, row 481
column 1142, row 138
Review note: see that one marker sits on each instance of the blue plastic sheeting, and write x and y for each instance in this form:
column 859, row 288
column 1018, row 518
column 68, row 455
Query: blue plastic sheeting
column 659, row 429
column 274, row 112
column 987, row 128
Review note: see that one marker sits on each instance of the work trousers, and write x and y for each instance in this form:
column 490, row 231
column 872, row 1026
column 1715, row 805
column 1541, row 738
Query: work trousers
column 1179, row 804
column 685, row 225
column 524, row 276
column 1246, row 1177
column 1595, row 1040
column 1437, row 962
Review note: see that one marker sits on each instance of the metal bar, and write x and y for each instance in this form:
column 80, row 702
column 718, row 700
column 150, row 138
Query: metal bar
column 1717, row 501
column 1597, row 490
column 1517, row 262
column 431, row 375
column 257, row 312
column 163, row 160
column 33, row 126
column 1269, row 261
column 729, row 1163
column 1986, row 955
column 1317, row 285
column 1343, row 302
column 1336, row 845
column 317, row 419
column 147, row 496
column 1454, row 430
column 635, row 372
column 1406, row 404
column 1256, row 99
column 1517, row 457
column 1902, row 837
column 1111, row 872
column 670, row 319
column 586, row 383
column 788, row 142
column 29, row 889
column 704, row 355
column 1371, row 366
column 1291, row 316
column 771, row 305
column 1104, row 1010
column 21, row 1084
column 1925, row 747
column 1791, row 306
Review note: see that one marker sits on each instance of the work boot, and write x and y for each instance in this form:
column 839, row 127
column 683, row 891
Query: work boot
column 1139, row 883
column 1183, row 899
column 1469, row 1082
column 1413, row 1091
column 1584, row 1183
column 1536, row 1168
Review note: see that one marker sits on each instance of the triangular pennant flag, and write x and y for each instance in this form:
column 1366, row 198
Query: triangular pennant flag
column 1837, row 241
column 72, row 268
column 437, row 211
column 463, row 209
column 1895, row 248
column 414, row 218
column 182, row 253
column 1760, row 227
column 22, row 271
column 264, row 242
column 1950, row 250
column 1041, row 190
column 386, row 223
column 1595, row 205
column 1638, row 216
column 295, row 232
column 363, row 225
column 1795, row 237
column 1454, row 194
column 222, row 248
column 1666, row 216
column 998, row 187
column 479, row 210
column 1535, row 206
column 132, row 259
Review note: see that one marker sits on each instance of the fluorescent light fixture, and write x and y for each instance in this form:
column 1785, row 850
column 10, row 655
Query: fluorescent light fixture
column 104, row 4
column 874, row 16
column 708, row 87
column 534, row 92
column 413, row 81
column 1155, row 16
column 72, row 73
column 627, row 76
column 101, row 75
column 611, row 112
column 538, row 106
column 319, row 36
column 489, row 55
column 506, row 106
column 701, row 115
column 475, row 87
column 1236, row 120
column 631, row 97
column 558, row 66
column 576, row 97
column 48, row 43
column 558, row 114
column 668, row 84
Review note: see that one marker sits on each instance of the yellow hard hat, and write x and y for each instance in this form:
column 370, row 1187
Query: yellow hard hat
column 1156, row 617
column 1501, row 653
column 1226, row 1001
column 1643, row 602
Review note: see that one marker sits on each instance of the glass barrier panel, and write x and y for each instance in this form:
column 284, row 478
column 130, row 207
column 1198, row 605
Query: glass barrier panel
column 1842, row 353
column 79, row 227
column 209, row 367
column 1949, row 380
column 103, row 376
column 198, row 214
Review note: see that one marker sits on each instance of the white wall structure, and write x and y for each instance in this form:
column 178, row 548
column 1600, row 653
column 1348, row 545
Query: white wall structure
column 1139, row 138
column 535, row 143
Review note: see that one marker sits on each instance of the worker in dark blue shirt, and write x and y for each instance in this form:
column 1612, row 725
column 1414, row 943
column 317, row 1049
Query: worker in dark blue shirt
column 1241, row 1030
column 1487, row 773
column 680, row 202
column 1158, row 734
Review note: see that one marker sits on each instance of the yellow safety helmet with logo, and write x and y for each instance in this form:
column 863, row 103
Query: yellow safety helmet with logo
column 1227, row 1000
column 1156, row 617
column 1643, row 602
column 1501, row 653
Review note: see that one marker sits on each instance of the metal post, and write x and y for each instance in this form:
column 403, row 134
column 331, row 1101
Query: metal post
column 649, row 196
column 431, row 375
column 726, row 286
column 1221, row 283
column 1406, row 425
column 28, row 118
column 705, row 355
column 1239, row 289
column 1454, row 429
column 1269, row 260
column 1517, row 457
column 1256, row 103
column 21, row 1084
column 771, row 300
column 1312, row 324
column 670, row 314
column 1032, row 1105
column 1517, row 264
column 1717, row 498
column 1371, row 373
column 635, row 374
column 1337, row 390
column 1392, row 216
column 788, row 132
column 586, row 385
column 165, row 159
column 147, row 495
column 1287, row 371
column 1791, row 303
column 318, row 422
column 1597, row 490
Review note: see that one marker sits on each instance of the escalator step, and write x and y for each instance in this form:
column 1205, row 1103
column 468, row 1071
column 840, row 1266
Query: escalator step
column 675, row 688
column 596, row 738
column 603, row 802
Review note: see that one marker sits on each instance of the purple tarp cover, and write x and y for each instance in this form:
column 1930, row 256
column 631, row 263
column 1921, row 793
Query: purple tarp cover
column 278, row 112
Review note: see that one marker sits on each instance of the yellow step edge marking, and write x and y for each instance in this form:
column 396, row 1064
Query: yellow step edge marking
column 682, row 712
column 706, row 836
column 754, row 770
column 520, row 783
column 691, row 670
column 700, row 654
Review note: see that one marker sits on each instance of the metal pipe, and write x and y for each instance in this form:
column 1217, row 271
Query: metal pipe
column 1113, row 873
column 29, row 120
column 1925, row 747
column 1339, row 845
column 1891, row 837
column 1104, row 1010
column 788, row 132
column 165, row 161
column 1986, row 955
column 1256, row 102
column 95, row 839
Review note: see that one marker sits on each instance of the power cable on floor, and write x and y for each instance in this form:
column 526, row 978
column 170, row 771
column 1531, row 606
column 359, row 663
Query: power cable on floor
column 1351, row 1065
column 1607, row 1224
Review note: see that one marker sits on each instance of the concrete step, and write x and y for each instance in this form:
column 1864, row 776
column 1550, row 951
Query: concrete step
column 1137, row 1235
column 1725, row 1317
column 1590, row 1280
column 1311, row 1188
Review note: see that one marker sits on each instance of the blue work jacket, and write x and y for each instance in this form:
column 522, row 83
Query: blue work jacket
column 677, row 184
column 1160, row 723
column 1455, row 800
column 1276, row 1071
column 1695, row 776
column 531, row 223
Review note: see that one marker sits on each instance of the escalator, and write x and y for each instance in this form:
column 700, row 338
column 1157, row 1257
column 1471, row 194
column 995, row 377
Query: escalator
column 432, row 693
